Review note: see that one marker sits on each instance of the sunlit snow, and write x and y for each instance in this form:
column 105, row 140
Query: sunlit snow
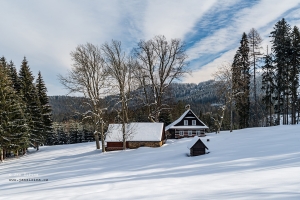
column 254, row 163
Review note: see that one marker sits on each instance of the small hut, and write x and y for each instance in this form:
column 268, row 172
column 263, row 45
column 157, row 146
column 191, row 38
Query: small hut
column 196, row 147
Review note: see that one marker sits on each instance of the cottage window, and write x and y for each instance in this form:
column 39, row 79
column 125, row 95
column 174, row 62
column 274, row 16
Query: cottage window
column 190, row 133
column 181, row 133
column 186, row 122
column 194, row 122
column 198, row 133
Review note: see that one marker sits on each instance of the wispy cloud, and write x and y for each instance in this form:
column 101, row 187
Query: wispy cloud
column 47, row 31
column 209, row 52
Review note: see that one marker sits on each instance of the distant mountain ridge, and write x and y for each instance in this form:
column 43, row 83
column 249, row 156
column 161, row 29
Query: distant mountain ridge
column 63, row 107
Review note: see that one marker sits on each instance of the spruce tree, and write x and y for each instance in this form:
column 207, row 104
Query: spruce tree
column 3, row 64
column 241, row 82
column 294, row 72
column 46, row 110
column 13, row 128
column 14, row 77
column 281, row 48
column 33, row 111
column 268, row 86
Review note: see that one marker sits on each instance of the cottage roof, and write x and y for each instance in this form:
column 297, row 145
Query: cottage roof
column 193, row 142
column 172, row 125
column 147, row 131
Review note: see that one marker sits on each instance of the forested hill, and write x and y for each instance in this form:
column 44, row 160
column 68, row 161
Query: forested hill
column 203, row 92
column 65, row 107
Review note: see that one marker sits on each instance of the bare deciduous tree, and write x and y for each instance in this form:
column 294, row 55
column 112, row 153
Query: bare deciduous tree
column 254, row 51
column 87, row 77
column 223, row 78
column 160, row 63
column 218, row 120
column 119, row 68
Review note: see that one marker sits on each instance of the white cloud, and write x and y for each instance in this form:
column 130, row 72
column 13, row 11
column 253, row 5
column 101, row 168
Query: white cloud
column 205, row 72
column 47, row 31
column 227, row 38
column 173, row 18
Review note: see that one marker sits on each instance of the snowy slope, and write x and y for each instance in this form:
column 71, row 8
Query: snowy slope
column 255, row 163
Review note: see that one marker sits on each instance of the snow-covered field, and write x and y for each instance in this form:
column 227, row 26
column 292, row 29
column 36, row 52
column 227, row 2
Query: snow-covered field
column 255, row 163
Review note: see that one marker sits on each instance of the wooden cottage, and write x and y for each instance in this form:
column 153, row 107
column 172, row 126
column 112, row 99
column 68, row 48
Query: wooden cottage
column 187, row 125
column 196, row 147
column 137, row 135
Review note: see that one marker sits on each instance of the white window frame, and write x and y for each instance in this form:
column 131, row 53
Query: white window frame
column 198, row 133
column 190, row 133
column 181, row 133
column 186, row 122
column 194, row 122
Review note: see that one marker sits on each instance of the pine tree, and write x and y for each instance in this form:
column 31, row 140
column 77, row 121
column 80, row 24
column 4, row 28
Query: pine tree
column 14, row 77
column 281, row 47
column 3, row 64
column 268, row 86
column 241, row 82
column 13, row 128
column 33, row 111
column 17, row 127
column 294, row 72
column 44, row 107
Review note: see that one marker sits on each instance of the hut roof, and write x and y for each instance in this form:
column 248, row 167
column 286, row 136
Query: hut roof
column 146, row 131
column 193, row 142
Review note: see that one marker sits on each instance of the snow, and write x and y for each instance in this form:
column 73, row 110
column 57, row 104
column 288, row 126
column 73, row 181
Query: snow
column 194, row 140
column 141, row 131
column 254, row 163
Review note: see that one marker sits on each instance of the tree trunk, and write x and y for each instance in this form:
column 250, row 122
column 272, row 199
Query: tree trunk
column 97, row 140
column 278, row 109
column 254, row 85
column 271, row 118
column 102, row 138
column 124, row 136
column 1, row 154
column 124, row 119
column 298, row 112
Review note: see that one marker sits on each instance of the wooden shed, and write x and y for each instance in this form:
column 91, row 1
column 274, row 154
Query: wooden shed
column 139, row 134
column 196, row 147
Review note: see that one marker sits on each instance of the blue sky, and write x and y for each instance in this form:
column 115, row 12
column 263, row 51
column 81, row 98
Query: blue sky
column 47, row 31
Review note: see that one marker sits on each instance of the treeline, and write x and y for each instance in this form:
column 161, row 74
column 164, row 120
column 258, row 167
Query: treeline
column 70, row 132
column 251, row 103
column 25, row 115
column 281, row 74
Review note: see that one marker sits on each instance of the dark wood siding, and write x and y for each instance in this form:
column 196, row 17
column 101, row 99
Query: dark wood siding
column 198, row 149
column 190, row 117
column 116, row 144
column 171, row 133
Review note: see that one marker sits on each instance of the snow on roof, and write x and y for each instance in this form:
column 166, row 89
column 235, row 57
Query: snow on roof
column 193, row 141
column 180, row 118
column 135, row 132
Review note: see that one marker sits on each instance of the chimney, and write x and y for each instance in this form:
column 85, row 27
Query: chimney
column 188, row 107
